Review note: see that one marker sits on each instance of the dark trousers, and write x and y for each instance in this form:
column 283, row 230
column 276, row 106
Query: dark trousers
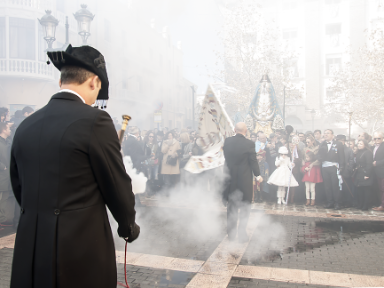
column 381, row 187
column 237, row 210
column 331, row 185
column 364, row 197
column 347, row 192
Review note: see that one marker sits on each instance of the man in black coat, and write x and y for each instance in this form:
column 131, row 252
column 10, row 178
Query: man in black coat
column 331, row 155
column 378, row 166
column 66, row 167
column 347, row 192
column 241, row 161
column 134, row 149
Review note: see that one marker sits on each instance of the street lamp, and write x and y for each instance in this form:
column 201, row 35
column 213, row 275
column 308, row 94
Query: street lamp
column 49, row 23
column 313, row 113
column 350, row 124
column 84, row 18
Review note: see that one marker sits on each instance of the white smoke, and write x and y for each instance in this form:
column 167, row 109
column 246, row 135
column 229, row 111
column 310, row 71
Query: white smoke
column 139, row 181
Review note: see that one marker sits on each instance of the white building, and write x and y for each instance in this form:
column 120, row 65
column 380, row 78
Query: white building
column 145, row 69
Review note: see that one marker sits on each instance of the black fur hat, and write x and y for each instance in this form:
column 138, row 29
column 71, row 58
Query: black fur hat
column 85, row 57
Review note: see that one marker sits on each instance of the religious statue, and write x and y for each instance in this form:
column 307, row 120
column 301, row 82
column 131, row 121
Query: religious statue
column 264, row 108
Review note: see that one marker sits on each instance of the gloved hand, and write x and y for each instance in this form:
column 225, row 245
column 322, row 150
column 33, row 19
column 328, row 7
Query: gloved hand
column 133, row 233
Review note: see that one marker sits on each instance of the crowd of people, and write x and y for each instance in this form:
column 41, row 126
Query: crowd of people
column 321, row 168
column 9, row 210
column 340, row 172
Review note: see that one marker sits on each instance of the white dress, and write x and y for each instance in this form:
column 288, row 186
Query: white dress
column 280, row 177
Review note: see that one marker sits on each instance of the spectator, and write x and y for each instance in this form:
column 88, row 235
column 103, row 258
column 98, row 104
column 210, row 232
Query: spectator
column 351, row 143
column 152, row 150
column 27, row 111
column 170, row 165
column 331, row 154
column 347, row 191
column 364, row 136
column 363, row 175
column 318, row 138
column 3, row 114
column 7, row 199
column 312, row 176
column 253, row 137
column 378, row 166
column 302, row 137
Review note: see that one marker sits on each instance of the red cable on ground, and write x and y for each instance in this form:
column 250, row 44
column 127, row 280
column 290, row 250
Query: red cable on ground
column 125, row 268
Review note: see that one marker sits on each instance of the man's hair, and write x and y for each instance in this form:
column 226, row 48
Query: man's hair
column 289, row 129
column 3, row 111
column 27, row 109
column 301, row 133
column 135, row 131
column 184, row 137
column 330, row 130
column 3, row 126
column 272, row 135
column 317, row 131
column 74, row 75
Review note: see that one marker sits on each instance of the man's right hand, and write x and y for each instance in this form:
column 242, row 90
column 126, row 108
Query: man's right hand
column 134, row 233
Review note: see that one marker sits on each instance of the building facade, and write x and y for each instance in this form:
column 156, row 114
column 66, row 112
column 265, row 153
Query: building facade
column 145, row 69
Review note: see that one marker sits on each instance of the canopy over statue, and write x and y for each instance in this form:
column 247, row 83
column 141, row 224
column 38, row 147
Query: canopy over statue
column 264, row 113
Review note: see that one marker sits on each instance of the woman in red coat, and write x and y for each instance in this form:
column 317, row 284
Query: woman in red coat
column 312, row 175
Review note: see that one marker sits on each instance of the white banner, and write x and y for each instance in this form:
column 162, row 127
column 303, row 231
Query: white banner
column 214, row 127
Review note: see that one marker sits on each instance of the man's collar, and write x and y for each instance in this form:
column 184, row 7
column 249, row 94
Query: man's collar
column 238, row 134
column 73, row 92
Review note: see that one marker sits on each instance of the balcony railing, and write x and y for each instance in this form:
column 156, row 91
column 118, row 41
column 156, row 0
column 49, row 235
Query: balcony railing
column 26, row 68
column 33, row 4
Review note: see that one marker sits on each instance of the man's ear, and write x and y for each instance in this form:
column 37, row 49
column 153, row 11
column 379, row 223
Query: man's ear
column 95, row 82
column 60, row 82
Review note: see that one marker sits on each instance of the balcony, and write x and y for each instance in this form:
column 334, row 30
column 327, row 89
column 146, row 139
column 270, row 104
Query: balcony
column 26, row 68
column 28, row 4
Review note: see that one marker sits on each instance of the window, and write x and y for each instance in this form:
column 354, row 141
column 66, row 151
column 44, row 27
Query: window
column 107, row 30
column 291, row 68
column 287, row 5
column 60, row 5
column 333, row 34
column 21, row 38
column 332, row 29
column 2, row 37
column 333, row 64
column 290, row 38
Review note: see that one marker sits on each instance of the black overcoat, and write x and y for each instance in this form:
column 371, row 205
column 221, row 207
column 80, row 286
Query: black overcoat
column 379, row 158
column 364, row 168
column 241, row 161
column 65, row 167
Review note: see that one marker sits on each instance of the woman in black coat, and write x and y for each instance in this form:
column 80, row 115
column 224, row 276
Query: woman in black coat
column 363, row 175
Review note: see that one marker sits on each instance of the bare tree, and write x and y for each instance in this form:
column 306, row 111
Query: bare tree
column 253, row 46
column 358, row 87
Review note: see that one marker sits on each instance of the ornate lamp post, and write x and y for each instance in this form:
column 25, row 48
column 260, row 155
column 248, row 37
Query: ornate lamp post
column 84, row 18
column 313, row 113
column 49, row 23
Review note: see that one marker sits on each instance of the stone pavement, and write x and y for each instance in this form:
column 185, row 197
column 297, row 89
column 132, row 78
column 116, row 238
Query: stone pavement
column 289, row 246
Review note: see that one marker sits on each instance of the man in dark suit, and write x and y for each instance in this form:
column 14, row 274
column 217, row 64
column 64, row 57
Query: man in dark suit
column 347, row 198
column 331, row 154
column 378, row 165
column 65, row 168
column 134, row 149
column 241, row 161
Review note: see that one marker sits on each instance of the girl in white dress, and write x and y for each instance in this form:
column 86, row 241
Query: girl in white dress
column 280, row 177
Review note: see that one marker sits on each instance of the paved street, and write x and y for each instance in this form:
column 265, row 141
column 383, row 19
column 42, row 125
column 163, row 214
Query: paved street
column 292, row 246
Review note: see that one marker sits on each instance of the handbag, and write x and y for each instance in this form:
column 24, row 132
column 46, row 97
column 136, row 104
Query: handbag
column 172, row 161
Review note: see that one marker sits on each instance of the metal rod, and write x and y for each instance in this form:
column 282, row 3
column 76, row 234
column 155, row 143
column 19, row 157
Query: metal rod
column 284, row 107
column 193, row 107
column 66, row 31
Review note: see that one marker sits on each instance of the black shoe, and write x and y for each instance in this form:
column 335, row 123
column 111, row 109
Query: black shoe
column 328, row 206
column 337, row 207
